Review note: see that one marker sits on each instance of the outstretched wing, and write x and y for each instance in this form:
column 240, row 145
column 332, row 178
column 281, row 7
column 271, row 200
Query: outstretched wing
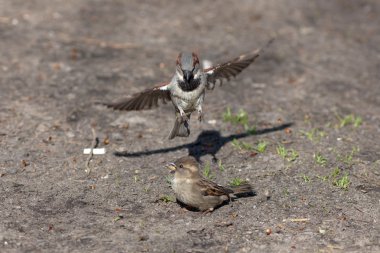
column 209, row 188
column 143, row 100
column 232, row 68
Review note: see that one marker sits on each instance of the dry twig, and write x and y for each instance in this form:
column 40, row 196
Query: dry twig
column 94, row 144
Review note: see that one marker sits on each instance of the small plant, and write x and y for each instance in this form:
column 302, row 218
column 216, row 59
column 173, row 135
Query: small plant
column 306, row 179
column 323, row 178
column 237, row 181
column 281, row 151
column 207, row 171
column 286, row 192
column 346, row 120
column 308, row 134
column 348, row 158
column 342, row 182
column 220, row 165
column 227, row 115
column 167, row 199
column 250, row 129
column 350, row 119
column 329, row 124
column 358, row 122
column 241, row 145
column 314, row 134
column 292, row 155
column 241, row 118
column 117, row 218
column 287, row 154
column 335, row 173
column 320, row 159
column 261, row 146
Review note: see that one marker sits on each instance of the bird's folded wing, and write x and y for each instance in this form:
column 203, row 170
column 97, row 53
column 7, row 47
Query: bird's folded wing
column 209, row 188
column 143, row 100
column 232, row 68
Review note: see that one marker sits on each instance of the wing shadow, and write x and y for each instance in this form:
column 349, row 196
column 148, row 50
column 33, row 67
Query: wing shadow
column 209, row 142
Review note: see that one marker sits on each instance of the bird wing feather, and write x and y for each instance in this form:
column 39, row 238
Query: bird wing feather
column 146, row 99
column 232, row 68
column 209, row 188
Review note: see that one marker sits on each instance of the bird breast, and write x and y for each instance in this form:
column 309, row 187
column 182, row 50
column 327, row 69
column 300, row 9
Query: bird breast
column 184, row 191
column 187, row 100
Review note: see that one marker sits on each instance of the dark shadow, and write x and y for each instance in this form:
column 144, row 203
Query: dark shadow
column 183, row 205
column 208, row 143
column 246, row 194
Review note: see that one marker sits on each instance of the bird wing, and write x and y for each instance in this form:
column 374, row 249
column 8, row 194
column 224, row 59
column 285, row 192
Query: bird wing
column 143, row 100
column 209, row 188
column 232, row 68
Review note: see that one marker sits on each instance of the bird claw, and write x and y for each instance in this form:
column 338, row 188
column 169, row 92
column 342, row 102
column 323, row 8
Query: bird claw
column 184, row 117
column 208, row 211
column 200, row 116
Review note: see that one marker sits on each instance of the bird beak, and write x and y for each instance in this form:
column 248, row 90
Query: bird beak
column 171, row 167
column 187, row 75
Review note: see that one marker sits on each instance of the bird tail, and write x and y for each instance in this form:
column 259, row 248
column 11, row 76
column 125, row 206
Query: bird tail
column 244, row 189
column 181, row 128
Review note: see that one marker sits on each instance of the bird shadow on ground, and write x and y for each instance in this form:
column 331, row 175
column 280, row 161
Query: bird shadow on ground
column 209, row 142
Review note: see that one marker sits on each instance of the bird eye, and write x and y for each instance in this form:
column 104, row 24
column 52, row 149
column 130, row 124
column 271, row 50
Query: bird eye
column 181, row 166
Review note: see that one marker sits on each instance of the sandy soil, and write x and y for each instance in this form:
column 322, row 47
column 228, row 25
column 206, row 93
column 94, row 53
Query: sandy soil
column 321, row 77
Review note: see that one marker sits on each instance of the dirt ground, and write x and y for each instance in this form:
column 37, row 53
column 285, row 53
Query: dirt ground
column 315, row 92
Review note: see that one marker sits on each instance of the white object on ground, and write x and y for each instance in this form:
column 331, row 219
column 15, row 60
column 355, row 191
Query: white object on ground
column 95, row 151
column 212, row 121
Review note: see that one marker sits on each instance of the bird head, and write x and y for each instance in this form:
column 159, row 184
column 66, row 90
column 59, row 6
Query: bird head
column 187, row 67
column 185, row 167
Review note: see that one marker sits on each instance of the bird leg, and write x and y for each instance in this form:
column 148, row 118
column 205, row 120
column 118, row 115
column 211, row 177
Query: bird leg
column 184, row 210
column 210, row 210
column 183, row 114
column 200, row 114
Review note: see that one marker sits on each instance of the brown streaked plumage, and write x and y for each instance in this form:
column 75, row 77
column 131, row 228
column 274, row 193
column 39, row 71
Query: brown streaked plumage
column 146, row 99
column 197, row 192
column 233, row 67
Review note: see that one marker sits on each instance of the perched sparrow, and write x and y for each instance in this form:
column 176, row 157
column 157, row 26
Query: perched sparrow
column 195, row 191
column 187, row 88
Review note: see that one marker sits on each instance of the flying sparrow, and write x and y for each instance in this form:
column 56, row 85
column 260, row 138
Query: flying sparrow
column 187, row 88
column 195, row 191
